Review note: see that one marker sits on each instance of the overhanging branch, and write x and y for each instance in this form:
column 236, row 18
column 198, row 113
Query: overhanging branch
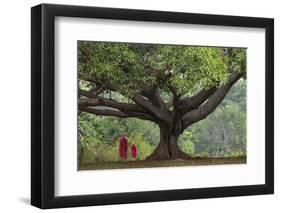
column 100, row 101
column 211, row 104
column 190, row 103
column 92, row 93
column 116, row 113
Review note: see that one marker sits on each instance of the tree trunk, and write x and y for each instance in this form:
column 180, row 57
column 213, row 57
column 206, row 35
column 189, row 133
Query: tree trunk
column 167, row 148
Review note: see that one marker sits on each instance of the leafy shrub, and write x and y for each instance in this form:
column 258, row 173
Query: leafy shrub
column 90, row 149
column 110, row 153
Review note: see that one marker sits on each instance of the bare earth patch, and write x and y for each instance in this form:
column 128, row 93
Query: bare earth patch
column 162, row 163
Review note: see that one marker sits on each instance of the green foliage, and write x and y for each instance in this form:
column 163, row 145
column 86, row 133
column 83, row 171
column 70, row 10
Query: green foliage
column 237, row 95
column 98, row 137
column 197, row 67
column 98, row 151
column 237, row 58
column 110, row 153
column 144, row 148
column 126, row 65
column 87, row 128
column 116, row 64
column 223, row 133
column 185, row 143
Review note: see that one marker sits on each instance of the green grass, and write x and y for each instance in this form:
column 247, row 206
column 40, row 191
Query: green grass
column 166, row 163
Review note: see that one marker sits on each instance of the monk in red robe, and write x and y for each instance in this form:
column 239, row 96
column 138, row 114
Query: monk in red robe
column 123, row 147
column 134, row 151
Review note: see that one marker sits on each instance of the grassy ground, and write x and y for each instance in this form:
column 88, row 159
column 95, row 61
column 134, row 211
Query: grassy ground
column 167, row 163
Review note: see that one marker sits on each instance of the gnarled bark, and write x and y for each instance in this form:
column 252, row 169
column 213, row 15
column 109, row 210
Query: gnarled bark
column 167, row 148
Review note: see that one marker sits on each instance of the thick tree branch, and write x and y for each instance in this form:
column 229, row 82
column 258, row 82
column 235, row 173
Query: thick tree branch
column 162, row 115
column 155, row 98
column 146, row 104
column 213, row 101
column 169, row 104
column 116, row 113
column 92, row 93
column 190, row 103
column 141, row 102
column 154, row 103
column 105, row 112
column 177, row 125
column 176, row 98
column 100, row 101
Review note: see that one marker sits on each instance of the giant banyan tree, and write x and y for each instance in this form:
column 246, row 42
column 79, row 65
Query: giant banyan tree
column 173, row 86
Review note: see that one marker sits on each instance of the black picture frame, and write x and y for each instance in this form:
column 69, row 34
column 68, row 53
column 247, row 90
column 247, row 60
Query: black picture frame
column 43, row 117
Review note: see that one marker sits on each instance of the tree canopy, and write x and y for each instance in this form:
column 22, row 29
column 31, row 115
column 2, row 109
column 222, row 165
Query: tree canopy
column 173, row 86
column 135, row 67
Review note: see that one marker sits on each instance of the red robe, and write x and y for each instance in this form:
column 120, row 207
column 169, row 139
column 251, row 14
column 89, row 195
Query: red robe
column 123, row 147
column 134, row 151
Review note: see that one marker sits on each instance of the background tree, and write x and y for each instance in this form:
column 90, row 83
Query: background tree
column 172, row 86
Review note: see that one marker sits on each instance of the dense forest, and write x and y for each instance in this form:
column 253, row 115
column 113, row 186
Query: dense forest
column 173, row 102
